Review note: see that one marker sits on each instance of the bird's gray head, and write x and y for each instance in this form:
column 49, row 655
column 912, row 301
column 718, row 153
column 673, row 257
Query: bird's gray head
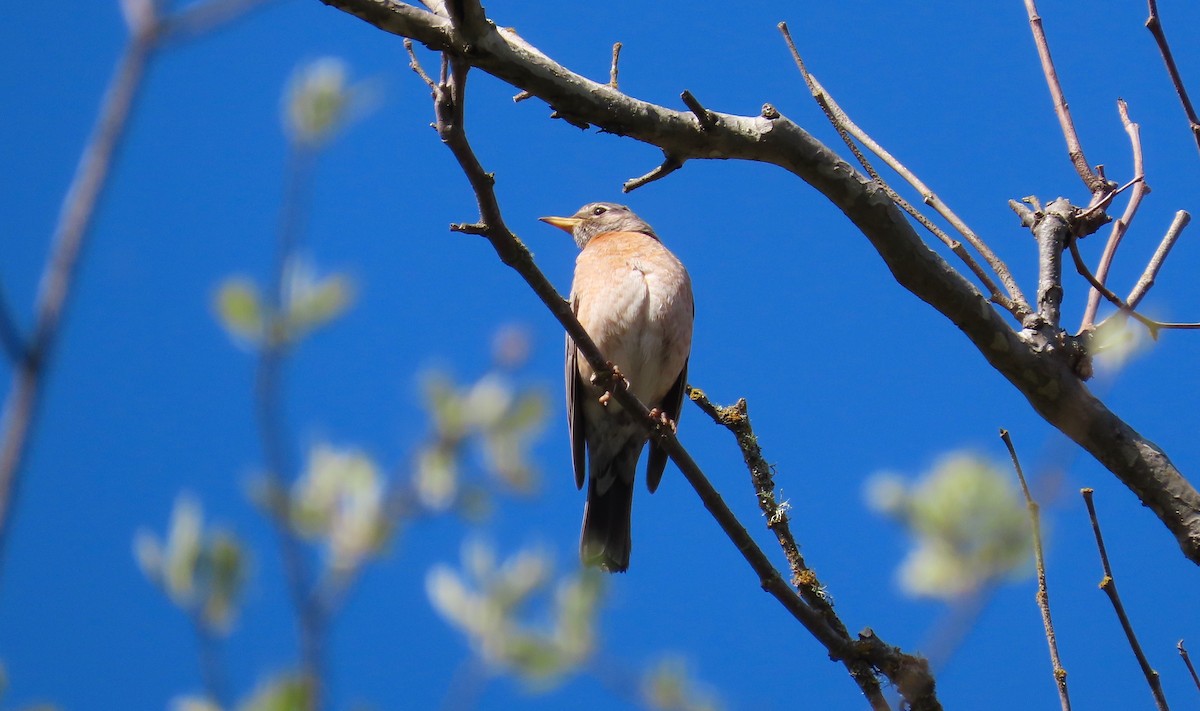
column 597, row 218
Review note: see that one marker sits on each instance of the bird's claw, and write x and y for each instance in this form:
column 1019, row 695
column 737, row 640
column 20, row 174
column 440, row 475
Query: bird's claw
column 611, row 375
column 663, row 419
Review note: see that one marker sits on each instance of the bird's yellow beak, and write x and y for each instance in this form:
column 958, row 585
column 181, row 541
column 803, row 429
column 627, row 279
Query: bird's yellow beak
column 566, row 224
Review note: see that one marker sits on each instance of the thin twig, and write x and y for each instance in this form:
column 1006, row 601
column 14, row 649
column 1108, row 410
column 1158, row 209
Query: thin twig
column 736, row 419
column 1187, row 660
column 1154, row 24
column 909, row 673
column 272, row 422
column 58, row 275
column 147, row 34
column 212, row 671
column 669, row 165
column 703, row 115
column 1109, row 585
column 612, row 72
column 1015, row 301
column 1151, row 325
column 1146, row 281
column 1094, row 182
column 200, row 18
column 1043, row 594
column 1140, row 190
column 11, row 339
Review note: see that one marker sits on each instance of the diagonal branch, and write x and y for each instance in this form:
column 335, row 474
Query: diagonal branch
column 1154, row 24
column 736, row 419
column 915, row 682
column 1109, row 585
column 1095, row 183
column 1027, row 359
column 1015, row 302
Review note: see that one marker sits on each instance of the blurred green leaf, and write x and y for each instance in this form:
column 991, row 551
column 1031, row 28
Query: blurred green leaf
column 202, row 573
column 193, row 703
column 313, row 302
column 316, row 100
column 240, row 310
column 669, row 687
column 285, row 693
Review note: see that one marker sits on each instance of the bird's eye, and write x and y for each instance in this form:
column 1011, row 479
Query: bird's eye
column 599, row 210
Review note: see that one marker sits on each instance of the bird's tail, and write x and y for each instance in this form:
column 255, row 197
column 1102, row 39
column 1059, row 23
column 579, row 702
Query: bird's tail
column 606, row 540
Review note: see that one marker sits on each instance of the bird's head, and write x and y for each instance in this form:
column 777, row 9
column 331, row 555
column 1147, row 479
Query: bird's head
column 597, row 218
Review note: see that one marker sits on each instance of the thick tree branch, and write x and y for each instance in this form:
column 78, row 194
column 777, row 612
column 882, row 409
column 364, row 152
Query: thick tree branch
column 1030, row 359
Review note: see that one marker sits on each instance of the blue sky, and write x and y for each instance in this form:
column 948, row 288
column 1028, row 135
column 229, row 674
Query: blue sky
column 846, row 373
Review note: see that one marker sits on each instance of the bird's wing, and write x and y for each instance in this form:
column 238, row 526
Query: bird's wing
column 575, row 424
column 672, row 407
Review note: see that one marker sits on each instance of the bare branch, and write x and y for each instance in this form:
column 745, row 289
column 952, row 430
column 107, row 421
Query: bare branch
column 1154, row 24
column 1096, row 184
column 1146, row 281
column 612, row 72
column 58, row 275
column 1048, row 383
column 1153, row 326
column 1015, row 301
column 1109, row 585
column 11, row 339
column 702, row 114
column 1140, row 190
column 204, row 16
column 448, row 102
column 736, row 419
column 1043, row 594
column 1187, row 660
column 669, row 165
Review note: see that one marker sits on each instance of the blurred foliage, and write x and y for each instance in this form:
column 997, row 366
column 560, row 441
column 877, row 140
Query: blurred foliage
column 309, row 302
column 668, row 686
column 339, row 502
column 968, row 525
column 1116, row 341
column 202, row 572
column 282, row 693
column 320, row 101
column 486, row 599
column 490, row 419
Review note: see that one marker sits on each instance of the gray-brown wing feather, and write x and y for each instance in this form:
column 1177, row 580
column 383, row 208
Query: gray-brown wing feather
column 672, row 407
column 576, row 428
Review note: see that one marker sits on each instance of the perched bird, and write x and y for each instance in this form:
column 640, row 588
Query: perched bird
column 634, row 298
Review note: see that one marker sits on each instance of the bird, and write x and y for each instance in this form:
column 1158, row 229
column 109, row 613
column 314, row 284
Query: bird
column 634, row 298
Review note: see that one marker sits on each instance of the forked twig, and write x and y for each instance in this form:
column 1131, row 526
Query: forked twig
column 1119, row 227
column 1109, row 585
column 1015, row 301
column 1043, row 594
column 1154, row 24
column 1151, row 325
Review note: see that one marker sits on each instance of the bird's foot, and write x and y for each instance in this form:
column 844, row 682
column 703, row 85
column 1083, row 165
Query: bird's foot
column 607, row 379
column 663, row 419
